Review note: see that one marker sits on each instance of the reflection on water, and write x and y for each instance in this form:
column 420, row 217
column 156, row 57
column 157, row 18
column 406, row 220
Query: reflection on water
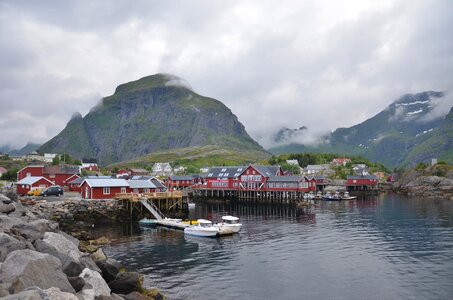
column 384, row 247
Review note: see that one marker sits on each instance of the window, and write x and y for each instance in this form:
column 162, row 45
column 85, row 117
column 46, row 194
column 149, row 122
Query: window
column 244, row 178
column 123, row 190
column 136, row 191
column 226, row 174
column 239, row 169
column 106, row 191
column 224, row 170
column 23, row 186
column 210, row 175
column 28, row 175
column 52, row 176
column 146, row 190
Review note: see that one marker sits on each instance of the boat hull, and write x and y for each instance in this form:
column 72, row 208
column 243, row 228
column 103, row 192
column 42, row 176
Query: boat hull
column 202, row 232
column 331, row 198
column 225, row 229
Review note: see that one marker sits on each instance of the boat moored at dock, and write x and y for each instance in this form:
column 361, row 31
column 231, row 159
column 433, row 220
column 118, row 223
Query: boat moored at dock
column 203, row 229
column 230, row 225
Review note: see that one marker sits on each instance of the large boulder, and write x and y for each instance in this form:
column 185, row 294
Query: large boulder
column 6, row 208
column 9, row 244
column 100, row 287
column 34, row 230
column 89, row 263
column 125, row 283
column 26, row 268
column 6, row 223
column 77, row 283
column 109, row 267
column 59, row 246
column 35, row 293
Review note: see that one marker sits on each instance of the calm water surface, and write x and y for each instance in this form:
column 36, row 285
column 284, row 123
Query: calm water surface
column 386, row 247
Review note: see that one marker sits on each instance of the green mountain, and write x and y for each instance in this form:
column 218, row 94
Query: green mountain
column 155, row 113
column 394, row 137
column 27, row 149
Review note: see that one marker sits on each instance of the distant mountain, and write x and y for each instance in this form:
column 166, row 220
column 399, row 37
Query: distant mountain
column 391, row 136
column 28, row 148
column 155, row 113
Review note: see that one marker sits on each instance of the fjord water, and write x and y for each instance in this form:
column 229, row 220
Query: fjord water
column 383, row 247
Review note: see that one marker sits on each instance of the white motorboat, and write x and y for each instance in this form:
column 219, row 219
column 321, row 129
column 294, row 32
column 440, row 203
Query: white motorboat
column 229, row 225
column 204, row 229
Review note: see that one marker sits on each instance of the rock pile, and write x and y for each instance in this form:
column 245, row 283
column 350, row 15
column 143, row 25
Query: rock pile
column 426, row 186
column 38, row 261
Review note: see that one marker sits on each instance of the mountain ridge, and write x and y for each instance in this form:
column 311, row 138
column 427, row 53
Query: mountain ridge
column 154, row 113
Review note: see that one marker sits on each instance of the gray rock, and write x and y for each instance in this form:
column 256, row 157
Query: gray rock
column 35, row 293
column 7, row 208
column 95, row 279
column 109, row 268
column 4, row 289
column 6, row 222
column 9, row 244
column 26, row 268
column 135, row 296
column 54, row 293
column 59, row 246
column 5, row 199
column 32, row 231
column 70, row 237
column 125, row 283
column 77, row 283
column 86, row 294
column 89, row 263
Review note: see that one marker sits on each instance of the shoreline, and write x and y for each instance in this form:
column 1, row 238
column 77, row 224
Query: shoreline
column 38, row 259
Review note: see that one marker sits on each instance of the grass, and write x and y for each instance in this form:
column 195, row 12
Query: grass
column 197, row 157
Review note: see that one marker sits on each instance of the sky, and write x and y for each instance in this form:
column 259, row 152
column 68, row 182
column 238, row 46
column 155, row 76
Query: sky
column 319, row 64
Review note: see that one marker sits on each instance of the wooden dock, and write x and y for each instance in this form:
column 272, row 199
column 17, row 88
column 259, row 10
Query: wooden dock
column 162, row 201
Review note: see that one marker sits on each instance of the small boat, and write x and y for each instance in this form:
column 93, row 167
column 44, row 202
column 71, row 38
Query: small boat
column 147, row 222
column 330, row 197
column 318, row 196
column 204, row 229
column 229, row 225
column 346, row 196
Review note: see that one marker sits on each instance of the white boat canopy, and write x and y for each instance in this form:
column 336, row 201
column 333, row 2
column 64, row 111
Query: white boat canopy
column 230, row 218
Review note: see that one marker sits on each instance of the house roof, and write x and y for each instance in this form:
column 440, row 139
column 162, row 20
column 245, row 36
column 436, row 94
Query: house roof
column 31, row 166
column 77, row 180
column 141, row 184
column 104, row 182
column 267, row 170
column 318, row 167
column 61, row 169
column 225, row 172
column 89, row 160
column 350, row 177
column 285, row 178
column 182, row 177
column 157, row 183
column 32, row 179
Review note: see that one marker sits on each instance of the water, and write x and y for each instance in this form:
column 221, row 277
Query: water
column 387, row 247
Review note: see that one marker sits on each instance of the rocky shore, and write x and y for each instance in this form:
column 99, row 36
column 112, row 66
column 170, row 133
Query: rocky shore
column 40, row 261
column 433, row 182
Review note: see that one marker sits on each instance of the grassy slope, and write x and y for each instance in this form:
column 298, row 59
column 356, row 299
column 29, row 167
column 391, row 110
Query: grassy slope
column 211, row 155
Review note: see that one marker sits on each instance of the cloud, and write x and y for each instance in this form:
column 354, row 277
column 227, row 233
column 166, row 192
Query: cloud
column 322, row 64
column 440, row 108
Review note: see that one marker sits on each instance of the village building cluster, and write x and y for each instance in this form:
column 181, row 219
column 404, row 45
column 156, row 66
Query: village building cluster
column 217, row 181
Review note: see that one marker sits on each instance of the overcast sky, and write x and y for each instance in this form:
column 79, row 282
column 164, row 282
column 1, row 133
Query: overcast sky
column 322, row 64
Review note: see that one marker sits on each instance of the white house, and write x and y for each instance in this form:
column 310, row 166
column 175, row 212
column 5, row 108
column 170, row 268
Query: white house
column 48, row 157
column 162, row 169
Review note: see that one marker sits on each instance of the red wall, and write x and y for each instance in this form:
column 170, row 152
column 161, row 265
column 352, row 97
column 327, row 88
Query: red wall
column 35, row 171
column 350, row 182
column 98, row 192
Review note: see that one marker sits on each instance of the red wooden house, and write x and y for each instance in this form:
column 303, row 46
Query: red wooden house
column 60, row 174
column 26, row 184
column 180, row 182
column 31, row 170
column 103, row 188
column 362, row 183
column 138, row 172
column 122, row 173
column 223, row 178
column 293, row 183
column 74, row 184
column 254, row 178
